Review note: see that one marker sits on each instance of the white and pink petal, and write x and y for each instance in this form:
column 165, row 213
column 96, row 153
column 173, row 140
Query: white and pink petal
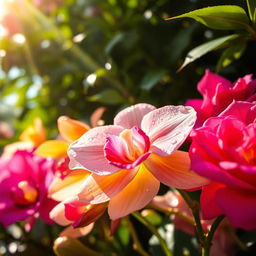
column 168, row 127
column 132, row 116
column 88, row 151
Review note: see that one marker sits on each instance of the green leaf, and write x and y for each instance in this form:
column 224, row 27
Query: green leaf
column 202, row 49
column 152, row 216
column 251, row 4
column 231, row 54
column 108, row 97
column 67, row 246
column 151, row 78
column 223, row 17
column 113, row 42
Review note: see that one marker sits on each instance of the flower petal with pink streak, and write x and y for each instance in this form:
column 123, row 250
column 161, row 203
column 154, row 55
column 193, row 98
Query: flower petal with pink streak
column 174, row 170
column 132, row 116
column 168, row 127
column 98, row 189
column 229, row 200
column 136, row 195
column 58, row 214
column 87, row 152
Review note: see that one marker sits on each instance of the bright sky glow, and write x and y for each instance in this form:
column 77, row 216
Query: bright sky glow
column 91, row 79
column 4, row 6
column 19, row 38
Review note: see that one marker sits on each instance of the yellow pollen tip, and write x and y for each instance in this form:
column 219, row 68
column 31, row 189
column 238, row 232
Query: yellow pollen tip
column 30, row 193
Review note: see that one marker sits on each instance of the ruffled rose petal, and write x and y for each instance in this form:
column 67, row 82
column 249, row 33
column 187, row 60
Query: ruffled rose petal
column 174, row 170
column 52, row 148
column 209, row 205
column 98, row 189
column 71, row 129
column 136, row 195
column 132, row 116
column 60, row 189
column 207, row 86
column 168, row 127
column 244, row 111
column 239, row 206
column 87, row 152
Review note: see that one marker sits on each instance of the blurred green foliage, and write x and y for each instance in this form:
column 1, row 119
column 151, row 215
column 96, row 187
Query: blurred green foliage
column 87, row 53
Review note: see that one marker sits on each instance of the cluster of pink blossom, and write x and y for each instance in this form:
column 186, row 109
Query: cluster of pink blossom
column 119, row 168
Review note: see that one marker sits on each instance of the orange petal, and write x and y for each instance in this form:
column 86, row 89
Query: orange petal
column 174, row 170
column 53, row 148
column 98, row 189
column 77, row 232
column 96, row 115
column 136, row 195
column 92, row 213
column 61, row 189
column 34, row 133
column 71, row 129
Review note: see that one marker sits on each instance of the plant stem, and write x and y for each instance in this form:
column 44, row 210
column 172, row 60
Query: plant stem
column 154, row 231
column 204, row 239
column 194, row 206
column 208, row 239
column 171, row 211
column 137, row 245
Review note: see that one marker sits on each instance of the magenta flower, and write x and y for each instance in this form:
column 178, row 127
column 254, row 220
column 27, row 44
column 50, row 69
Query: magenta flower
column 129, row 159
column 224, row 150
column 24, row 182
column 218, row 93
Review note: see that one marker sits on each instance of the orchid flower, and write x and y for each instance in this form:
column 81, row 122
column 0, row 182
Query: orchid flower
column 25, row 179
column 129, row 159
column 67, row 183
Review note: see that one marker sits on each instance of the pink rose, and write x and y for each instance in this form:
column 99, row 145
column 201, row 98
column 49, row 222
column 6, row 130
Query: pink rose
column 24, row 182
column 224, row 150
column 218, row 93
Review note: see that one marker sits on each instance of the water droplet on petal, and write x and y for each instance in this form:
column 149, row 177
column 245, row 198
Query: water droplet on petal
column 174, row 141
column 184, row 110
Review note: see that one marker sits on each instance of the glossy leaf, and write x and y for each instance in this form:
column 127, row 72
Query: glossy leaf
column 67, row 246
column 202, row 49
column 151, row 79
column 231, row 54
column 108, row 97
column 223, row 17
column 251, row 4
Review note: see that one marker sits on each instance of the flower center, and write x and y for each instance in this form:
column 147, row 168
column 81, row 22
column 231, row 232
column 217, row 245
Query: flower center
column 250, row 155
column 128, row 149
column 24, row 193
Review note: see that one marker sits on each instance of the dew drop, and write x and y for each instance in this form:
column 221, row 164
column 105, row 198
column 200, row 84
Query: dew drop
column 174, row 141
column 184, row 110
